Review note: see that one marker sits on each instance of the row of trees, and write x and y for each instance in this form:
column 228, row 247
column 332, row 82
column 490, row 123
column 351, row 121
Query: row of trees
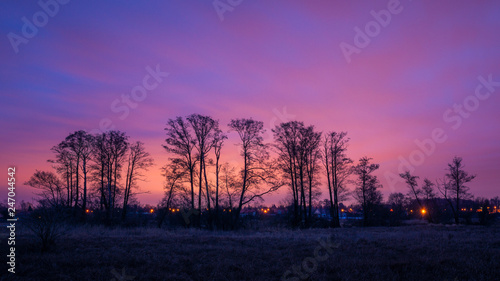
column 106, row 167
column 452, row 187
column 302, row 155
column 190, row 141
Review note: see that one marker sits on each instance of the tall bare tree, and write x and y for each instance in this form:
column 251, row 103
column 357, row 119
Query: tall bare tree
column 286, row 138
column 64, row 165
column 102, row 159
column 338, row 169
column 367, row 192
column 80, row 144
column 229, row 182
column 138, row 161
column 117, row 143
column 181, row 143
column 50, row 186
column 204, row 128
column 218, row 141
column 414, row 191
column 298, row 154
column 310, row 144
column 256, row 169
column 457, row 178
column 175, row 173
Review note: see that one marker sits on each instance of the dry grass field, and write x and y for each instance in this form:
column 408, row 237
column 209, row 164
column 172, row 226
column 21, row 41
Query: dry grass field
column 434, row 252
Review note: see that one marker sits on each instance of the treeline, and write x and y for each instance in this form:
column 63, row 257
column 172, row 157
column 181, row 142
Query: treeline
column 298, row 158
column 104, row 169
column 101, row 170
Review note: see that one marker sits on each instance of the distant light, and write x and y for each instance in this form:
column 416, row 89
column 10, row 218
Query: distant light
column 151, row 211
column 342, row 210
column 423, row 211
column 87, row 211
column 177, row 210
column 392, row 210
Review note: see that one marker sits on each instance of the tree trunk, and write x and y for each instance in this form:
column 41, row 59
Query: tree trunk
column 217, row 189
column 84, row 201
column 240, row 204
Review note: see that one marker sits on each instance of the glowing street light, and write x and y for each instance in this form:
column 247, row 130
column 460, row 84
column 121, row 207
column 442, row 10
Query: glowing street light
column 423, row 211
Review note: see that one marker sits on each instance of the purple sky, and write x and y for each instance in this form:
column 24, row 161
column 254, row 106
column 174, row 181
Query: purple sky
column 271, row 60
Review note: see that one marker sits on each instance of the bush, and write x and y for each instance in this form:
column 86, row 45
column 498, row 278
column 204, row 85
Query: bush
column 48, row 225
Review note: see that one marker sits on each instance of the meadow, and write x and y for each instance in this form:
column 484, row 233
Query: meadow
column 423, row 252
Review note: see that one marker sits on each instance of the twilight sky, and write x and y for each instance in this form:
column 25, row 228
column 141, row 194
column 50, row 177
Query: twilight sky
column 419, row 75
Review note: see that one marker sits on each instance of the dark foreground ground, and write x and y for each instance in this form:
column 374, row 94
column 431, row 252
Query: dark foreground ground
column 400, row 253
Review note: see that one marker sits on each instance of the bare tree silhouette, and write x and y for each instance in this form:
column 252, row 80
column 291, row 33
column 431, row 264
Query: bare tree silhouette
column 367, row 192
column 457, row 178
column 138, row 160
column 338, row 169
column 181, row 143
